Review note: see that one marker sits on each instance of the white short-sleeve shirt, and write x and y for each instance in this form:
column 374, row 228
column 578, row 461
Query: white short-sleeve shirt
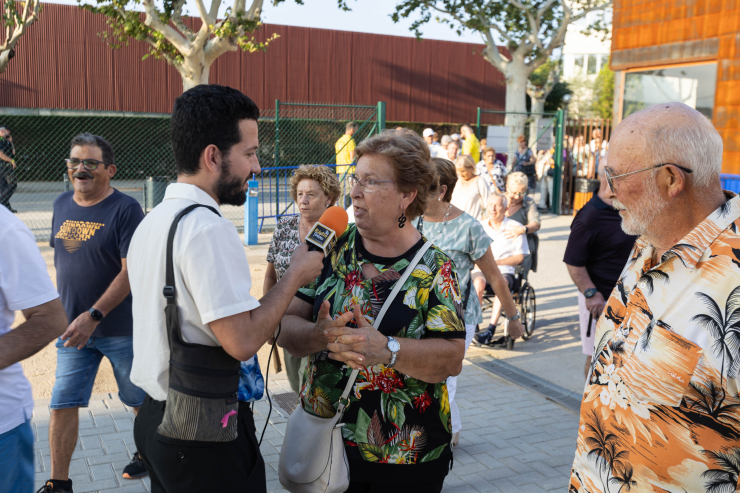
column 503, row 247
column 24, row 283
column 212, row 281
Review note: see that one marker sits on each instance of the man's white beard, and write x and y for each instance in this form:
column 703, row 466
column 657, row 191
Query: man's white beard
column 643, row 217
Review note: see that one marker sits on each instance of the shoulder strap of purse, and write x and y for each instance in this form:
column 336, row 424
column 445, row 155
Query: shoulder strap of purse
column 344, row 401
column 169, row 277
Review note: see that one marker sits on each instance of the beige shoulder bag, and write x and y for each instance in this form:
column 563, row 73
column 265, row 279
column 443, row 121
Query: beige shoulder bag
column 312, row 458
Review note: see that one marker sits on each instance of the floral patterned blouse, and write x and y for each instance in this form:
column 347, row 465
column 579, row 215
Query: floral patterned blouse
column 661, row 410
column 284, row 242
column 397, row 428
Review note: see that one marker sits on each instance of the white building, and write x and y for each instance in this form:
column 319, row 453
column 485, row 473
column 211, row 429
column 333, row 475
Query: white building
column 583, row 57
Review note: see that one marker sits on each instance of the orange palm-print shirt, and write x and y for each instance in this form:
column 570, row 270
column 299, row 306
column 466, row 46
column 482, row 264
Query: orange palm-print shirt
column 661, row 411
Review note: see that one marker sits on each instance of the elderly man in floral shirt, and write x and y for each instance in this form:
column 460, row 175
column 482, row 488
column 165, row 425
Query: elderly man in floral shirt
column 661, row 410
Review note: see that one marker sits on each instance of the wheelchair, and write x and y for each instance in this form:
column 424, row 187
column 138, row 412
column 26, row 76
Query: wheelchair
column 526, row 303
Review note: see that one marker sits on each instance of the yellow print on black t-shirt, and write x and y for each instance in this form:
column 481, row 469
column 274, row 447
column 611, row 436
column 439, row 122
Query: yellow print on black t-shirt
column 73, row 233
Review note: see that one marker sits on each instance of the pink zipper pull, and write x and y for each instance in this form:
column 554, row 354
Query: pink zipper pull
column 225, row 419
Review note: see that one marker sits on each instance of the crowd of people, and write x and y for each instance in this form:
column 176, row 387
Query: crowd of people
column 375, row 332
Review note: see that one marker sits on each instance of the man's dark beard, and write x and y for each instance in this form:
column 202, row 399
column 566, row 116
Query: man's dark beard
column 229, row 188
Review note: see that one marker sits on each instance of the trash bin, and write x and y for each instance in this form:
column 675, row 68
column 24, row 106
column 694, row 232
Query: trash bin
column 584, row 190
column 67, row 184
column 155, row 187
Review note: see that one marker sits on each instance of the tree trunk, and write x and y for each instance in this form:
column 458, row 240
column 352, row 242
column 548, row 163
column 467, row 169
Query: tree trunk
column 538, row 107
column 516, row 75
column 194, row 70
column 4, row 59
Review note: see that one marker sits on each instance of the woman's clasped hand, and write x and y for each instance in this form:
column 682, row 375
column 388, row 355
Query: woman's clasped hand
column 357, row 347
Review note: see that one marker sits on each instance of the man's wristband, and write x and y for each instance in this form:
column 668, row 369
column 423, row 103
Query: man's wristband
column 526, row 230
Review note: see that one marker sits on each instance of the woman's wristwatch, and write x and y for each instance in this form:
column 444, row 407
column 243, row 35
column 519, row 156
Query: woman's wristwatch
column 515, row 317
column 526, row 230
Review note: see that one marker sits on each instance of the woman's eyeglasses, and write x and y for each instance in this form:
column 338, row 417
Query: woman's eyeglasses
column 91, row 164
column 518, row 194
column 368, row 185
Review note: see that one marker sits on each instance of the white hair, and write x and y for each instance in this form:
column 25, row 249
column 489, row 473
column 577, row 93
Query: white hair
column 517, row 178
column 693, row 143
column 498, row 196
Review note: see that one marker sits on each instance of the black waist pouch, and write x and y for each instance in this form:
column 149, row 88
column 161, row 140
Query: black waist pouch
column 203, row 395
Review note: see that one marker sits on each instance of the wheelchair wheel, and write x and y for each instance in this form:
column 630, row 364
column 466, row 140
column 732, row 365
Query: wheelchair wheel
column 528, row 309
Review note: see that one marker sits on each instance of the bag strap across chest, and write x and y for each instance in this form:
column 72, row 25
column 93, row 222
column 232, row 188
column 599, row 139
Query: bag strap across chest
column 344, row 400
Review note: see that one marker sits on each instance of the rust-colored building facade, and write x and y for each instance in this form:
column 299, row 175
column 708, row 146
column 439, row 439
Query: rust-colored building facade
column 62, row 63
column 680, row 50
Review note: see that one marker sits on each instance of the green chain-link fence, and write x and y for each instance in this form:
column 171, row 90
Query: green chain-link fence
column 291, row 135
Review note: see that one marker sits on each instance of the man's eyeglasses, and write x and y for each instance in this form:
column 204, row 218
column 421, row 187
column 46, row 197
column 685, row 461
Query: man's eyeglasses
column 91, row 164
column 610, row 177
column 368, row 185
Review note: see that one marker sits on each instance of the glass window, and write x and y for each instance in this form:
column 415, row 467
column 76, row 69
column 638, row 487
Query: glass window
column 693, row 85
column 592, row 65
column 604, row 61
column 579, row 65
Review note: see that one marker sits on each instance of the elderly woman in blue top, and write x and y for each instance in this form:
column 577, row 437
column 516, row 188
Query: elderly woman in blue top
column 462, row 238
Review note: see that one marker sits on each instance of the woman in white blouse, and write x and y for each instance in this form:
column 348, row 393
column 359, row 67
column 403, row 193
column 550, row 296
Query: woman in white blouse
column 471, row 192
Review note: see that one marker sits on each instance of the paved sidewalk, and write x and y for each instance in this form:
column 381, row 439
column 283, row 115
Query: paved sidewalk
column 513, row 440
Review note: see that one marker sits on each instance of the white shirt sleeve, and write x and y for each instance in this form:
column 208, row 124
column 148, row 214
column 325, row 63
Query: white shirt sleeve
column 520, row 245
column 216, row 272
column 24, row 279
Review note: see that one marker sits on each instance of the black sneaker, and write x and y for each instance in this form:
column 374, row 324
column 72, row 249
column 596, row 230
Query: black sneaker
column 53, row 486
column 135, row 469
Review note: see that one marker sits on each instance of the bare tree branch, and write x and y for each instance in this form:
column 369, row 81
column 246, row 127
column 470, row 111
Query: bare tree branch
column 152, row 21
column 204, row 14
column 16, row 28
column 255, row 11
column 215, row 5
column 179, row 23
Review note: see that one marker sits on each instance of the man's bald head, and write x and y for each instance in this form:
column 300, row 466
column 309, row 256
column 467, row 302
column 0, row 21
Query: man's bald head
column 668, row 133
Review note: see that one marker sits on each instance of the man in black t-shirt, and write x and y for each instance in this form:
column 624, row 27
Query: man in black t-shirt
column 595, row 256
column 8, row 182
column 91, row 230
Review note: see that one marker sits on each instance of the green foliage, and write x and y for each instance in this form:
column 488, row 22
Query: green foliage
column 541, row 73
column 510, row 21
column 11, row 16
column 126, row 22
column 603, row 102
column 554, row 100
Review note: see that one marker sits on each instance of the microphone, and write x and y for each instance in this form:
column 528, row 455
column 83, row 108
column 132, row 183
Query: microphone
column 323, row 236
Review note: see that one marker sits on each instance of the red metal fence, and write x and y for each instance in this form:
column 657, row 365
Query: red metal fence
column 61, row 63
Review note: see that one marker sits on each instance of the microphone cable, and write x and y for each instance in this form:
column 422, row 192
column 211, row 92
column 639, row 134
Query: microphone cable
column 267, row 380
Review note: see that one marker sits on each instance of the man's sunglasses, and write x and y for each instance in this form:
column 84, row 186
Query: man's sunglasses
column 91, row 164
column 610, row 178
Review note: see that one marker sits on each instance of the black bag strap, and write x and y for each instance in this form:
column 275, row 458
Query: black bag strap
column 169, row 277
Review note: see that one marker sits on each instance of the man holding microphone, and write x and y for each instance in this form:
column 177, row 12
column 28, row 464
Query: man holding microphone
column 209, row 307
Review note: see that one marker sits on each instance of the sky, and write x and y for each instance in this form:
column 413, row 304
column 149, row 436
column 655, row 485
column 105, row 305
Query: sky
column 367, row 16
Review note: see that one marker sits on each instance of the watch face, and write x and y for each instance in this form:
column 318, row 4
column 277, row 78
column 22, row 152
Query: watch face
column 393, row 345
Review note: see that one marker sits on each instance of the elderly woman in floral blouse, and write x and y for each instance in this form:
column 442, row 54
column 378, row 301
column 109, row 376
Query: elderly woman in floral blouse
column 314, row 189
column 397, row 427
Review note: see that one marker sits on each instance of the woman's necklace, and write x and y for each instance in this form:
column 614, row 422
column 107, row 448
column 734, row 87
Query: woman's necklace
column 449, row 209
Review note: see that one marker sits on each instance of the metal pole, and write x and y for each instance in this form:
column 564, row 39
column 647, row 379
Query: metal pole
column 556, row 186
column 251, row 219
column 381, row 116
column 277, row 157
column 477, row 124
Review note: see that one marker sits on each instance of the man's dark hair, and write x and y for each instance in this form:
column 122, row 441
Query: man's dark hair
column 205, row 115
column 97, row 141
